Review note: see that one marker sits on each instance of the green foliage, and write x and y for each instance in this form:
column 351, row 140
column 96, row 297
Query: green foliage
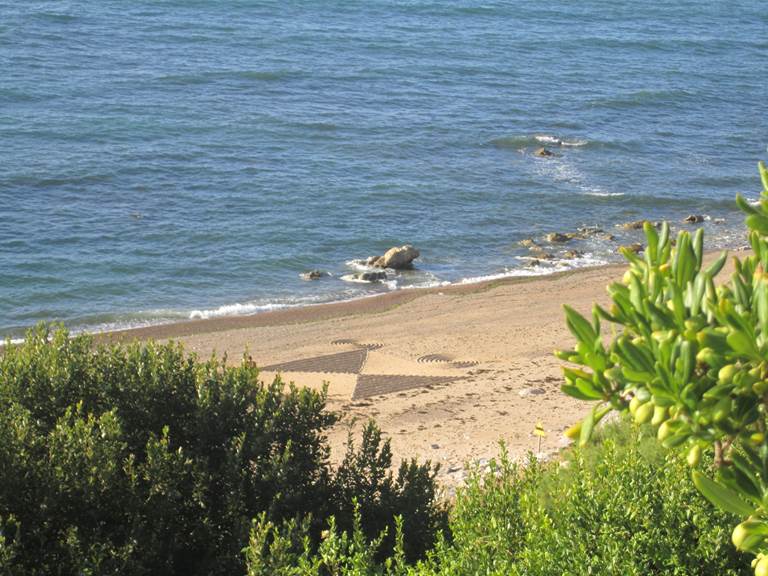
column 367, row 489
column 692, row 358
column 143, row 460
column 619, row 506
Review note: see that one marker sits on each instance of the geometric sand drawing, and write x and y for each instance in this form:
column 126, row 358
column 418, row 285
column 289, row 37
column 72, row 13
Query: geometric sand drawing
column 464, row 364
column 429, row 358
column 442, row 358
column 342, row 363
column 377, row 384
column 342, row 341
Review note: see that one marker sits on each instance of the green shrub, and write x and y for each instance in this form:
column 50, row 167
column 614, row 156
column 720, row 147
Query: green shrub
column 619, row 506
column 691, row 358
column 142, row 460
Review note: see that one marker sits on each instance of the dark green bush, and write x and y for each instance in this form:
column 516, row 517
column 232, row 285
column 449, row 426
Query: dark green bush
column 142, row 460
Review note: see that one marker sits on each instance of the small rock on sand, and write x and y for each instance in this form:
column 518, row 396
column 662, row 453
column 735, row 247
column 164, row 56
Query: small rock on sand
column 525, row 392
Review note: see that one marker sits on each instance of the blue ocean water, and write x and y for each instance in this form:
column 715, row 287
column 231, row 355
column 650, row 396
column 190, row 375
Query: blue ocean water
column 167, row 159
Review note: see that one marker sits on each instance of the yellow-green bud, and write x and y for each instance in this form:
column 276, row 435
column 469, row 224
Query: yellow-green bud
column 694, row 456
column 659, row 415
column 761, row 568
column 574, row 431
column 727, row 373
column 664, row 431
column 644, row 413
column 748, row 535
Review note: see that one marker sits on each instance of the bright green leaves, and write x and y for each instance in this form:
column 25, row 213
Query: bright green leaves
column 691, row 358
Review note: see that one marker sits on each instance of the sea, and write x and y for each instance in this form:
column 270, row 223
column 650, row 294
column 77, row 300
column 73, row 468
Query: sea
column 172, row 159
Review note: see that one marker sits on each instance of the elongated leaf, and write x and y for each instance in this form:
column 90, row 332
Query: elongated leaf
column 743, row 344
column 652, row 236
column 579, row 326
column 588, row 389
column 722, row 497
column 575, row 393
column 663, row 244
column 758, row 223
column 714, row 268
column 745, row 206
column 698, row 247
column 763, row 175
column 586, row 428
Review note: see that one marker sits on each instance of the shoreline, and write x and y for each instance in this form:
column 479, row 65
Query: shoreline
column 369, row 304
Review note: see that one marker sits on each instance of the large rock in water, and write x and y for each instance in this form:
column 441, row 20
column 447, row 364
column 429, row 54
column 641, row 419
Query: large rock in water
column 398, row 258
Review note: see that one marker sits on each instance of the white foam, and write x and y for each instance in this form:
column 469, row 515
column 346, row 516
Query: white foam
column 548, row 139
column 548, row 267
column 250, row 308
column 603, row 194
column 359, row 265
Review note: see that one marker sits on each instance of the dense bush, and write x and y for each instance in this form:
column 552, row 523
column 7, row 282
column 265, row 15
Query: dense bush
column 143, row 460
column 621, row 506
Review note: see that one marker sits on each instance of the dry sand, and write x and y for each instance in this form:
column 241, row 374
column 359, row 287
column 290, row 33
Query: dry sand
column 447, row 373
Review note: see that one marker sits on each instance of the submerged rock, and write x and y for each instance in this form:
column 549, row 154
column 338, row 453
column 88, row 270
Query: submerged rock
column 693, row 219
column 635, row 248
column 542, row 254
column 312, row 275
column 527, row 243
column 543, row 153
column 571, row 254
column 634, row 225
column 558, row 238
column 374, row 276
column 586, row 231
column 397, row 258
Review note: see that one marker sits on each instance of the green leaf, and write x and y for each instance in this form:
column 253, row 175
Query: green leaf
column 721, row 496
column 717, row 265
column 575, row 392
column 758, row 223
column 588, row 389
column 579, row 326
column 742, row 344
column 745, row 206
column 586, row 428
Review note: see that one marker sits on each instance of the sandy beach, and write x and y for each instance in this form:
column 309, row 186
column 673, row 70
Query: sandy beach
column 447, row 373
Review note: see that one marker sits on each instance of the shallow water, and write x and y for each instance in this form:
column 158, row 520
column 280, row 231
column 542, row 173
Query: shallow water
column 176, row 159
